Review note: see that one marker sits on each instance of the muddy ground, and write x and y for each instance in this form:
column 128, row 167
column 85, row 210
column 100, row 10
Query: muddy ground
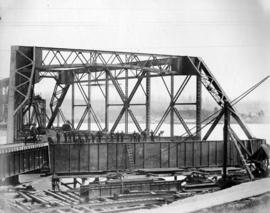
column 256, row 204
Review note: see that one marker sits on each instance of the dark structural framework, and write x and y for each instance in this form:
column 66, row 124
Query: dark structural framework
column 78, row 71
column 70, row 67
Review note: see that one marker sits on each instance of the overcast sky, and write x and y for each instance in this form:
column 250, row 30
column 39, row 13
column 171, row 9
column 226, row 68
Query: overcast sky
column 232, row 36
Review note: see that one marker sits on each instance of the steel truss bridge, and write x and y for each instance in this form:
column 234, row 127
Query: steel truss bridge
column 78, row 71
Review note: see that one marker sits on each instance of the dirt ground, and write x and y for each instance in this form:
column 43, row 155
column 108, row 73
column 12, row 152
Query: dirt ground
column 257, row 204
column 246, row 197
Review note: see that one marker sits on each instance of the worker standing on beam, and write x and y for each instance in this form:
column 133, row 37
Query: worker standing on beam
column 152, row 136
column 33, row 132
column 122, row 136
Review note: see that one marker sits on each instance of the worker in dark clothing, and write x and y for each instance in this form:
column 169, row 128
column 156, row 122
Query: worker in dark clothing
column 67, row 127
column 80, row 139
column 152, row 136
column 122, row 136
column 55, row 184
column 117, row 136
column 143, row 133
column 58, row 137
column 69, row 136
column 111, row 136
column 138, row 137
column 99, row 135
column 134, row 136
column 65, row 137
column 50, row 140
column 86, row 137
column 33, row 132
column 73, row 136
column 93, row 137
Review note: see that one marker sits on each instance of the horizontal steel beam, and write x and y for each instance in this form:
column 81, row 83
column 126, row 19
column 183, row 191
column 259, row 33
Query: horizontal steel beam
column 82, row 158
column 104, row 52
column 100, row 67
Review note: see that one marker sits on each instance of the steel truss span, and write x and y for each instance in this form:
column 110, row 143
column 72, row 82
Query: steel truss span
column 81, row 70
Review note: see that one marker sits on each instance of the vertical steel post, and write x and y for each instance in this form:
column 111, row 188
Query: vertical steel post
column 11, row 96
column 172, row 105
column 225, row 137
column 107, row 102
column 72, row 102
column 198, row 106
column 126, row 94
column 147, row 103
column 89, row 100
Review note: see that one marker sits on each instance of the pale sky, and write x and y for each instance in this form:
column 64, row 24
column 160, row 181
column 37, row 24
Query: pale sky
column 232, row 36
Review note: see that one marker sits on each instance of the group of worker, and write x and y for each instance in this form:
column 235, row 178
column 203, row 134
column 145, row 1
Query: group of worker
column 69, row 135
column 74, row 136
column 118, row 136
